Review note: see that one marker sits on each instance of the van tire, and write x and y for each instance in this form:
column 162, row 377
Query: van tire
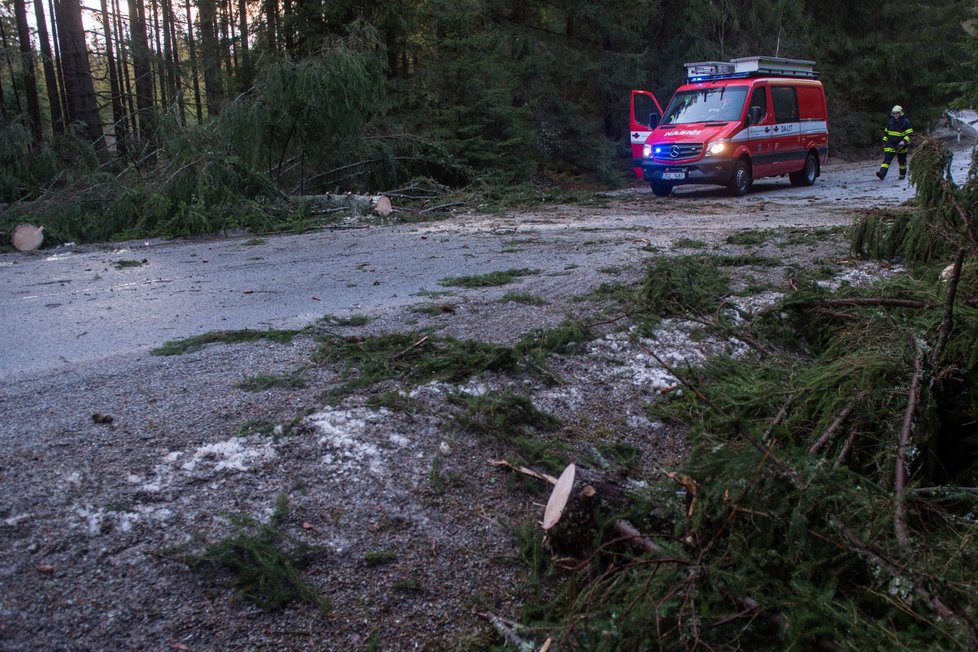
column 740, row 181
column 661, row 189
column 807, row 175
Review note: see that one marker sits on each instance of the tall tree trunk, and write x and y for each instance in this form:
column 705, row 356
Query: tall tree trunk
column 4, row 113
column 10, row 65
column 173, row 62
column 271, row 29
column 287, row 22
column 143, row 72
column 124, row 80
column 118, row 115
column 58, row 63
column 244, row 80
column 30, row 77
column 79, row 89
column 193, row 64
column 231, row 61
column 50, row 77
column 211, row 56
column 160, row 65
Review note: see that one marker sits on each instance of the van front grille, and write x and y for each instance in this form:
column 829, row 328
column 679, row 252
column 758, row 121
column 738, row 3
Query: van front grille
column 677, row 151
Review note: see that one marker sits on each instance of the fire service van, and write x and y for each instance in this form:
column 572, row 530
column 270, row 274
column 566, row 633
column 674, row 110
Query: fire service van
column 733, row 122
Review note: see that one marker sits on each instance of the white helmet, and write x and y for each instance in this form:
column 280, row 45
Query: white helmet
column 897, row 109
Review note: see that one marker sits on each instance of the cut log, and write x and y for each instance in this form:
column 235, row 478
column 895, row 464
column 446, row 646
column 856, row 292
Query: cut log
column 27, row 237
column 358, row 204
column 570, row 521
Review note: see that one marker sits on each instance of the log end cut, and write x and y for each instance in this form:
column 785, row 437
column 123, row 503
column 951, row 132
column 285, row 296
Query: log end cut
column 559, row 497
column 27, row 237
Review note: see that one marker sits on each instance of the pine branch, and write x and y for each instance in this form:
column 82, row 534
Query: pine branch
column 899, row 518
column 864, row 301
column 945, row 329
column 839, row 420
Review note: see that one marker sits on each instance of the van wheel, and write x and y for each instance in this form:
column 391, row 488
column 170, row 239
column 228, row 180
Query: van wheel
column 660, row 189
column 805, row 176
column 741, row 179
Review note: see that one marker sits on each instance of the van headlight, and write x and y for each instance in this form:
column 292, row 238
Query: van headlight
column 646, row 151
column 718, row 147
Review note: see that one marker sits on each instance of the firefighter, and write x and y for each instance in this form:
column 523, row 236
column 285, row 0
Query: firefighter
column 896, row 138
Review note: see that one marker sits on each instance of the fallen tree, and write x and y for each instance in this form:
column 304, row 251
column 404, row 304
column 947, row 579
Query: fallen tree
column 829, row 497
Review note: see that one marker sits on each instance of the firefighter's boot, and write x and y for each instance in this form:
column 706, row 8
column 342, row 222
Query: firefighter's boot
column 880, row 174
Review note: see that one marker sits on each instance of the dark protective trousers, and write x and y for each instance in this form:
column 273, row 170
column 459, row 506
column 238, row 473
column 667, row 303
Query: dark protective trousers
column 888, row 154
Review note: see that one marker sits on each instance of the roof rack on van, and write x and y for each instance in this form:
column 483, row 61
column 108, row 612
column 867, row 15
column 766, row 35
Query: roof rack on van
column 757, row 66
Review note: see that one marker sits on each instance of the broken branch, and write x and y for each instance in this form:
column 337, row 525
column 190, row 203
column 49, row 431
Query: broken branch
column 863, row 301
column 899, row 519
column 839, row 420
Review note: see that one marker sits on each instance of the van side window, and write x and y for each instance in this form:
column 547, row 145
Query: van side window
column 759, row 98
column 643, row 107
column 785, row 102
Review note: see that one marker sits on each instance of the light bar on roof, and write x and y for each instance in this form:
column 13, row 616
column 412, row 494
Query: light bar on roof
column 775, row 66
column 707, row 68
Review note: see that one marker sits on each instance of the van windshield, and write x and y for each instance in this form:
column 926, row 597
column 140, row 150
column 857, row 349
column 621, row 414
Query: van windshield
column 721, row 104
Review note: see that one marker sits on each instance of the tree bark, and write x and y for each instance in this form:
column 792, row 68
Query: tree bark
column 30, row 79
column 58, row 61
column 192, row 46
column 50, row 77
column 211, row 56
column 173, row 62
column 126, row 82
column 79, row 88
column 118, row 115
column 10, row 66
column 164, row 94
column 271, row 22
column 143, row 72
column 244, row 77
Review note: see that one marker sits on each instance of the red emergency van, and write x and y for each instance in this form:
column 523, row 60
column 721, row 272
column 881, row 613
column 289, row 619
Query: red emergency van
column 733, row 122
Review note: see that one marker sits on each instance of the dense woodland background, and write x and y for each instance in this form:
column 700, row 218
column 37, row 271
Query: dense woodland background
column 162, row 112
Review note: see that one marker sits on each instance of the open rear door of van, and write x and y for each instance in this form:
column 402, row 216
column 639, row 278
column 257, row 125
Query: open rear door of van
column 643, row 104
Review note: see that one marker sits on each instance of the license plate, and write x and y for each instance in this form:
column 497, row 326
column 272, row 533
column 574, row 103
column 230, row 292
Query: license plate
column 674, row 176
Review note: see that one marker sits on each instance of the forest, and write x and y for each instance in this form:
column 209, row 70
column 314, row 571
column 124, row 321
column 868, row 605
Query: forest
column 155, row 117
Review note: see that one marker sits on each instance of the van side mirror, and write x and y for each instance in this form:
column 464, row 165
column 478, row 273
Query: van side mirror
column 654, row 118
column 754, row 115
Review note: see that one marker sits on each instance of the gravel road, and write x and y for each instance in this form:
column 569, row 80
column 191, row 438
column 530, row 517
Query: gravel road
column 113, row 457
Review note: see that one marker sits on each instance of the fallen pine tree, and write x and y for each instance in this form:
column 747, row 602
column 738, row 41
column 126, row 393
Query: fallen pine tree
column 829, row 500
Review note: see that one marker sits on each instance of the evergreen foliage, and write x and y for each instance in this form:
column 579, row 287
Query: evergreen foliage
column 265, row 573
column 828, row 500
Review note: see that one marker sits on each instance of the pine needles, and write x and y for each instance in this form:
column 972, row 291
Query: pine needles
column 265, row 573
column 827, row 502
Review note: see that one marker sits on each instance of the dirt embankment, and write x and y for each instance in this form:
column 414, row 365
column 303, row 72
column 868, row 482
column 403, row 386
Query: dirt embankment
column 114, row 456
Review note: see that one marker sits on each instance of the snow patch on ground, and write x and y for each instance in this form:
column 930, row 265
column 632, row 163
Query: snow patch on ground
column 861, row 275
column 344, row 436
column 231, row 454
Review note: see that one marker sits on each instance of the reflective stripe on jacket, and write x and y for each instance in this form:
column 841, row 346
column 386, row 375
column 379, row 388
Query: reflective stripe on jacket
column 897, row 133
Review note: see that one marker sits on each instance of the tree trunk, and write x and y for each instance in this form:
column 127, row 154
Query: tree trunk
column 118, row 115
column 230, row 56
column 193, row 64
column 173, row 62
column 30, row 79
column 211, row 56
column 143, row 72
column 58, row 61
column 244, row 79
column 79, row 88
column 160, row 61
column 50, row 77
column 10, row 66
column 286, row 27
column 124, row 78
column 271, row 26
